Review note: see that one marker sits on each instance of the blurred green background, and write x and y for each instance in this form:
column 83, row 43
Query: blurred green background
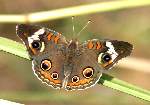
column 18, row 83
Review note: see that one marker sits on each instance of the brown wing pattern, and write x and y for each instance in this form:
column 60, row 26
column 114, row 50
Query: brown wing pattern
column 47, row 51
column 92, row 58
column 61, row 63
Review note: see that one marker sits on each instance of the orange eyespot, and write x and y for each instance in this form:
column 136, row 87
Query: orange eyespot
column 46, row 64
column 54, row 75
column 88, row 72
column 75, row 79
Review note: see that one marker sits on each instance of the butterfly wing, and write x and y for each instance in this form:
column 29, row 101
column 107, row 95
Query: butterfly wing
column 47, row 50
column 108, row 52
column 92, row 58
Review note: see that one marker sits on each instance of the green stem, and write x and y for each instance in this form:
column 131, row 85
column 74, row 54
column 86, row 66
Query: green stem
column 124, row 87
column 18, row 49
column 13, row 47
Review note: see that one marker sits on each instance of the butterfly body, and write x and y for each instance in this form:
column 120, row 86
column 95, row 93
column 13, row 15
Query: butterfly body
column 69, row 64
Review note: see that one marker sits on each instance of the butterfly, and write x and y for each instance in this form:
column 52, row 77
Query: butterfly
column 69, row 64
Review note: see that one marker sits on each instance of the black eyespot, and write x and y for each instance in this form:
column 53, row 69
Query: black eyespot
column 36, row 44
column 88, row 72
column 106, row 57
column 75, row 79
column 46, row 64
column 54, row 75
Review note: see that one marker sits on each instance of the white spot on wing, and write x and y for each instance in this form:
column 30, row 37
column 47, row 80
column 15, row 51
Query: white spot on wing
column 99, row 58
column 39, row 32
column 42, row 47
column 35, row 36
column 111, row 50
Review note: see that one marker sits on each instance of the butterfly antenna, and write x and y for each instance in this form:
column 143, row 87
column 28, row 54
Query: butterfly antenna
column 73, row 26
column 84, row 27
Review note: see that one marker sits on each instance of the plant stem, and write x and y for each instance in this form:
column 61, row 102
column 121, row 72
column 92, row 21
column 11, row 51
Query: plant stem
column 125, row 87
column 18, row 49
column 13, row 47
column 72, row 11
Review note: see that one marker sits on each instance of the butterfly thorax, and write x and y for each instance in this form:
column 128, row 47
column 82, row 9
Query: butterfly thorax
column 73, row 44
column 69, row 63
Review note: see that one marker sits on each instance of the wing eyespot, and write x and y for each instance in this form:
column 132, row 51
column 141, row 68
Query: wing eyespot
column 36, row 44
column 46, row 64
column 54, row 75
column 88, row 72
column 75, row 79
column 105, row 57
